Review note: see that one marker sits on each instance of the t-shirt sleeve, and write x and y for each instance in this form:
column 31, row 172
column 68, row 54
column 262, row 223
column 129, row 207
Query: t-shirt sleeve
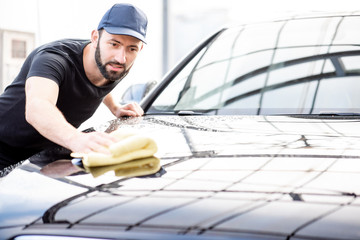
column 49, row 65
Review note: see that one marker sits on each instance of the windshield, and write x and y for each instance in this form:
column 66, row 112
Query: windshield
column 299, row 66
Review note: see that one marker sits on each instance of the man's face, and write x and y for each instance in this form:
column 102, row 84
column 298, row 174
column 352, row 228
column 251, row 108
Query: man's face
column 115, row 54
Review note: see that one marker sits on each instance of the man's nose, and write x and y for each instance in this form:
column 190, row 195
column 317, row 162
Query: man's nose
column 121, row 56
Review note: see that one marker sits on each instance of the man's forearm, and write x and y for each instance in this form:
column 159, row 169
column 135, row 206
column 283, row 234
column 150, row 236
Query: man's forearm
column 50, row 122
column 110, row 103
column 41, row 111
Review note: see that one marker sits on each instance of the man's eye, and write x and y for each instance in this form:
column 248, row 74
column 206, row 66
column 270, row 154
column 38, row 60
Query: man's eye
column 113, row 44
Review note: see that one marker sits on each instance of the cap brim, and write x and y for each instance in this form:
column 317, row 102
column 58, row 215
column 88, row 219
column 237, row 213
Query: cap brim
column 125, row 31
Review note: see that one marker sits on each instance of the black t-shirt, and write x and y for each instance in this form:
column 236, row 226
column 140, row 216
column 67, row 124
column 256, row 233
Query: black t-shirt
column 62, row 62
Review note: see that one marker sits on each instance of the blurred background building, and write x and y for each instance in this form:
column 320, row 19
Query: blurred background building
column 175, row 27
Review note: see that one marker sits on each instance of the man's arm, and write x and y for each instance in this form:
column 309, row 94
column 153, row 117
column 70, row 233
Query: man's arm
column 131, row 109
column 41, row 112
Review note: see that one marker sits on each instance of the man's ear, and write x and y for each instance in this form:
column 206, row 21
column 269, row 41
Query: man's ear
column 94, row 37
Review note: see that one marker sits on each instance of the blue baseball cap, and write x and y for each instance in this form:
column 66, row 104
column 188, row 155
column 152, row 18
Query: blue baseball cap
column 125, row 19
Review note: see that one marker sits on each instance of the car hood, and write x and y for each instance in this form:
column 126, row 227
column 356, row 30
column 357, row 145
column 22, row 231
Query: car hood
column 250, row 177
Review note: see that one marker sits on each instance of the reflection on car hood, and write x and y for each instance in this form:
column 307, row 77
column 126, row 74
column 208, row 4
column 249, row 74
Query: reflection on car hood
column 223, row 176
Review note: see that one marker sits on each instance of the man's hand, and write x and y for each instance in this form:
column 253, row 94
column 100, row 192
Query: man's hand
column 91, row 142
column 130, row 110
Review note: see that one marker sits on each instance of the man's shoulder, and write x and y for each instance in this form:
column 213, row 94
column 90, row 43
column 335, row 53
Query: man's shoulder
column 65, row 46
column 66, row 51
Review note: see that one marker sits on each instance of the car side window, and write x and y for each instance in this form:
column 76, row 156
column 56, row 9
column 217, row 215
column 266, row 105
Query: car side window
column 263, row 69
column 169, row 98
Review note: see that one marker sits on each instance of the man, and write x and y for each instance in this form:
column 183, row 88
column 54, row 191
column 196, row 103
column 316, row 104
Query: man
column 61, row 84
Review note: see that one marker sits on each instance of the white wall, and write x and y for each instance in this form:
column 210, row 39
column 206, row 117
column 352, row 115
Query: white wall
column 10, row 65
column 51, row 20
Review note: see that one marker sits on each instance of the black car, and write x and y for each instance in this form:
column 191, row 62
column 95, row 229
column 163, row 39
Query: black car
column 257, row 135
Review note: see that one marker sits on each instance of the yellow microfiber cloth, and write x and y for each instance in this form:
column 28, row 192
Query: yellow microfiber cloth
column 137, row 167
column 130, row 146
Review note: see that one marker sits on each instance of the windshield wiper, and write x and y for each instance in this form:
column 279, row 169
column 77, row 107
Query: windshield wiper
column 339, row 114
column 159, row 113
column 188, row 113
column 326, row 115
column 179, row 113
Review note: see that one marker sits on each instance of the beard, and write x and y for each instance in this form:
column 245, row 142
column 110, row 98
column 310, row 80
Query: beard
column 109, row 75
